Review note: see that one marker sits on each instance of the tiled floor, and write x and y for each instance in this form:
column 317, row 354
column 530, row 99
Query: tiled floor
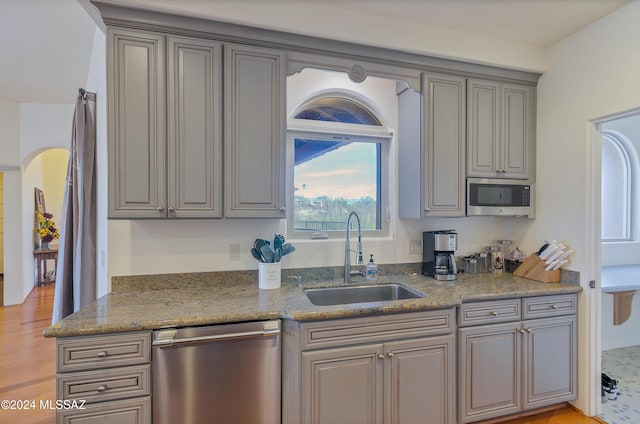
column 623, row 365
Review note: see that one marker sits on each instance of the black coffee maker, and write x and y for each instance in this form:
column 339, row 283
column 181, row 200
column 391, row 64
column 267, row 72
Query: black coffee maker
column 438, row 260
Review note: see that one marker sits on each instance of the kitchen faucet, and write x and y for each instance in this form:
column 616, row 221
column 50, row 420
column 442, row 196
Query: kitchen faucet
column 347, row 250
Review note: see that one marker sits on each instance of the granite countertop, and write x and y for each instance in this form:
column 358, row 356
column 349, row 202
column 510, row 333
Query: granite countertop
column 176, row 300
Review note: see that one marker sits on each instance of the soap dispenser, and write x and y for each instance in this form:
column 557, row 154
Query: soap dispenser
column 371, row 270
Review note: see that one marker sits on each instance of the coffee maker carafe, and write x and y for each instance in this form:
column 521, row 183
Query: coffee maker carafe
column 438, row 260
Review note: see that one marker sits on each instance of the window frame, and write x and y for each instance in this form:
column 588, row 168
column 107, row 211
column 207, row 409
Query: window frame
column 623, row 147
column 324, row 130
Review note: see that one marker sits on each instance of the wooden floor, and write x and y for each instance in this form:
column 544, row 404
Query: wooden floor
column 27, row 365
column 27, row 360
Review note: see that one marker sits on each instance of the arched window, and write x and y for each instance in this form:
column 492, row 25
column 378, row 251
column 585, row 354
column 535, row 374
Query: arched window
column 337, row 109
column 616, row 188
column 339, row 146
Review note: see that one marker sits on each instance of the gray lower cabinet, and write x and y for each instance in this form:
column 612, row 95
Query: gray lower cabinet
column 519, row 365
column 432, row 155
column 106, row 377
column 500, row 130
column 371, row 370
column 254, row 140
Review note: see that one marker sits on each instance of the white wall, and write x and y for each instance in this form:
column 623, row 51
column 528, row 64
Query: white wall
column 44, row 126
column 591, row 75
column 9, row 134
column 97, row 83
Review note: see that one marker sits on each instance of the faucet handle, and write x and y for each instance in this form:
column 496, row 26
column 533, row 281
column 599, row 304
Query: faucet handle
column 298, row 278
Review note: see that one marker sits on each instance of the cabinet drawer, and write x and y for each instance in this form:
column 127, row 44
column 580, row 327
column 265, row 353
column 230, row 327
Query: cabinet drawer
column 489, row 312
column 101, row 385
column 130, row 411
column 91, row 352
column 549, row 306
column 352, row 331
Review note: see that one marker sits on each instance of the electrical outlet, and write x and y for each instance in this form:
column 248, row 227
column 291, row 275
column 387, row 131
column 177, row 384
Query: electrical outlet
column 234, row 252
column 415, row 246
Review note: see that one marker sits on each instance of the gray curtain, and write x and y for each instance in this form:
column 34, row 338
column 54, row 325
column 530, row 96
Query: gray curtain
column 76, row 271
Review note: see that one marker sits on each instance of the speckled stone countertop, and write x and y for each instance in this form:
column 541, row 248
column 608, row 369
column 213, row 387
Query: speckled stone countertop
column 176, row 300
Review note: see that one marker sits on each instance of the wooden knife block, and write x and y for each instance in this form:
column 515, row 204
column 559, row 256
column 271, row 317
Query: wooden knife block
column 533, row 268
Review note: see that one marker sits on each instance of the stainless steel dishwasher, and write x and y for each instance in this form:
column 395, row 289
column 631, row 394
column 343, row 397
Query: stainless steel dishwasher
column 217, row 374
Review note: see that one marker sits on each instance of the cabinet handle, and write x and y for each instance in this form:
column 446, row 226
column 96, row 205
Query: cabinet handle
column 380, row 356
column 159, row 208
column 102, row 354
column 493, row 313
column 171, row 209
column 390, row 354
column 553, row 306
column 102, row 388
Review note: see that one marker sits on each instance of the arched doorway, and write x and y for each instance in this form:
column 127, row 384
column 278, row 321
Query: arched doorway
column 45, row 169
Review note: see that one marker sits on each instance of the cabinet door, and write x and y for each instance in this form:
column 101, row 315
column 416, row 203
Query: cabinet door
column 136, row 119
column 444, row 124
column 490, row 360
column 343, row 385
column 194, row 128
column 420, row 381
column 518, row 111
column 254, row 132
column 550, row 361
column 483, row 128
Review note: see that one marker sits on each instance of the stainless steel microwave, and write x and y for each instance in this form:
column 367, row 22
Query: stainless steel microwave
column 500, row 197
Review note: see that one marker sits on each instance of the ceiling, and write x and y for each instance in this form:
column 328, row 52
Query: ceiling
column 47, row 44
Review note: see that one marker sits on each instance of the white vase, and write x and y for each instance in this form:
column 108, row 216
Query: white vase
column 269, row 275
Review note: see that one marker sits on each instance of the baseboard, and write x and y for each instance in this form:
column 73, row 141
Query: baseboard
column 524, row 414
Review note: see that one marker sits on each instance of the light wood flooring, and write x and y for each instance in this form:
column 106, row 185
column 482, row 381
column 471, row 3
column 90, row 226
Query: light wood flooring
column 27, row 365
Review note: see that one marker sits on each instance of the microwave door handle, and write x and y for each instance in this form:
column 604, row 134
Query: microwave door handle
column 453, row 264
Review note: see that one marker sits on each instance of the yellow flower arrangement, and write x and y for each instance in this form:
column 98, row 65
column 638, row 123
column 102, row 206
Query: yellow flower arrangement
column 48, row 230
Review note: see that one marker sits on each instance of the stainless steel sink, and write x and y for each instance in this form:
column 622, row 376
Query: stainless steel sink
column 359, row 294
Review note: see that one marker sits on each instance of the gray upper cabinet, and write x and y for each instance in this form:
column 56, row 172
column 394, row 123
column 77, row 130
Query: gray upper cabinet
column 136, row 104
column 165, row 129
column 500, row 130
column 443, row 156
column 431, row 156
column 194, row 128
column 254, row 141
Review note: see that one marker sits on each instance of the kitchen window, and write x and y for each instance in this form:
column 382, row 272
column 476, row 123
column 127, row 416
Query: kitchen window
column 339, row 149
column 616, row 197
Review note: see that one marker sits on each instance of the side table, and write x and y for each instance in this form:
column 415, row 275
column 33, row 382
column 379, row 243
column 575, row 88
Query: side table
column 41, row 258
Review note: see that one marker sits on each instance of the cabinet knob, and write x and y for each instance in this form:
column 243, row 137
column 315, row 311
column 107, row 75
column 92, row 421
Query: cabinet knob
column 521, row 331
column 528, row 330
column 102, row 354
column 380, row 356
column 493, row 313
column 390, row 354
column 171, row 209
column 553, row 306
column 282, row 209
column 102, row 388
column 159, row 208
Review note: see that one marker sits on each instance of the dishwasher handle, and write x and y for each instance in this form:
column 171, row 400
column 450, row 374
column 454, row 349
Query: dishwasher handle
column 166, row 338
